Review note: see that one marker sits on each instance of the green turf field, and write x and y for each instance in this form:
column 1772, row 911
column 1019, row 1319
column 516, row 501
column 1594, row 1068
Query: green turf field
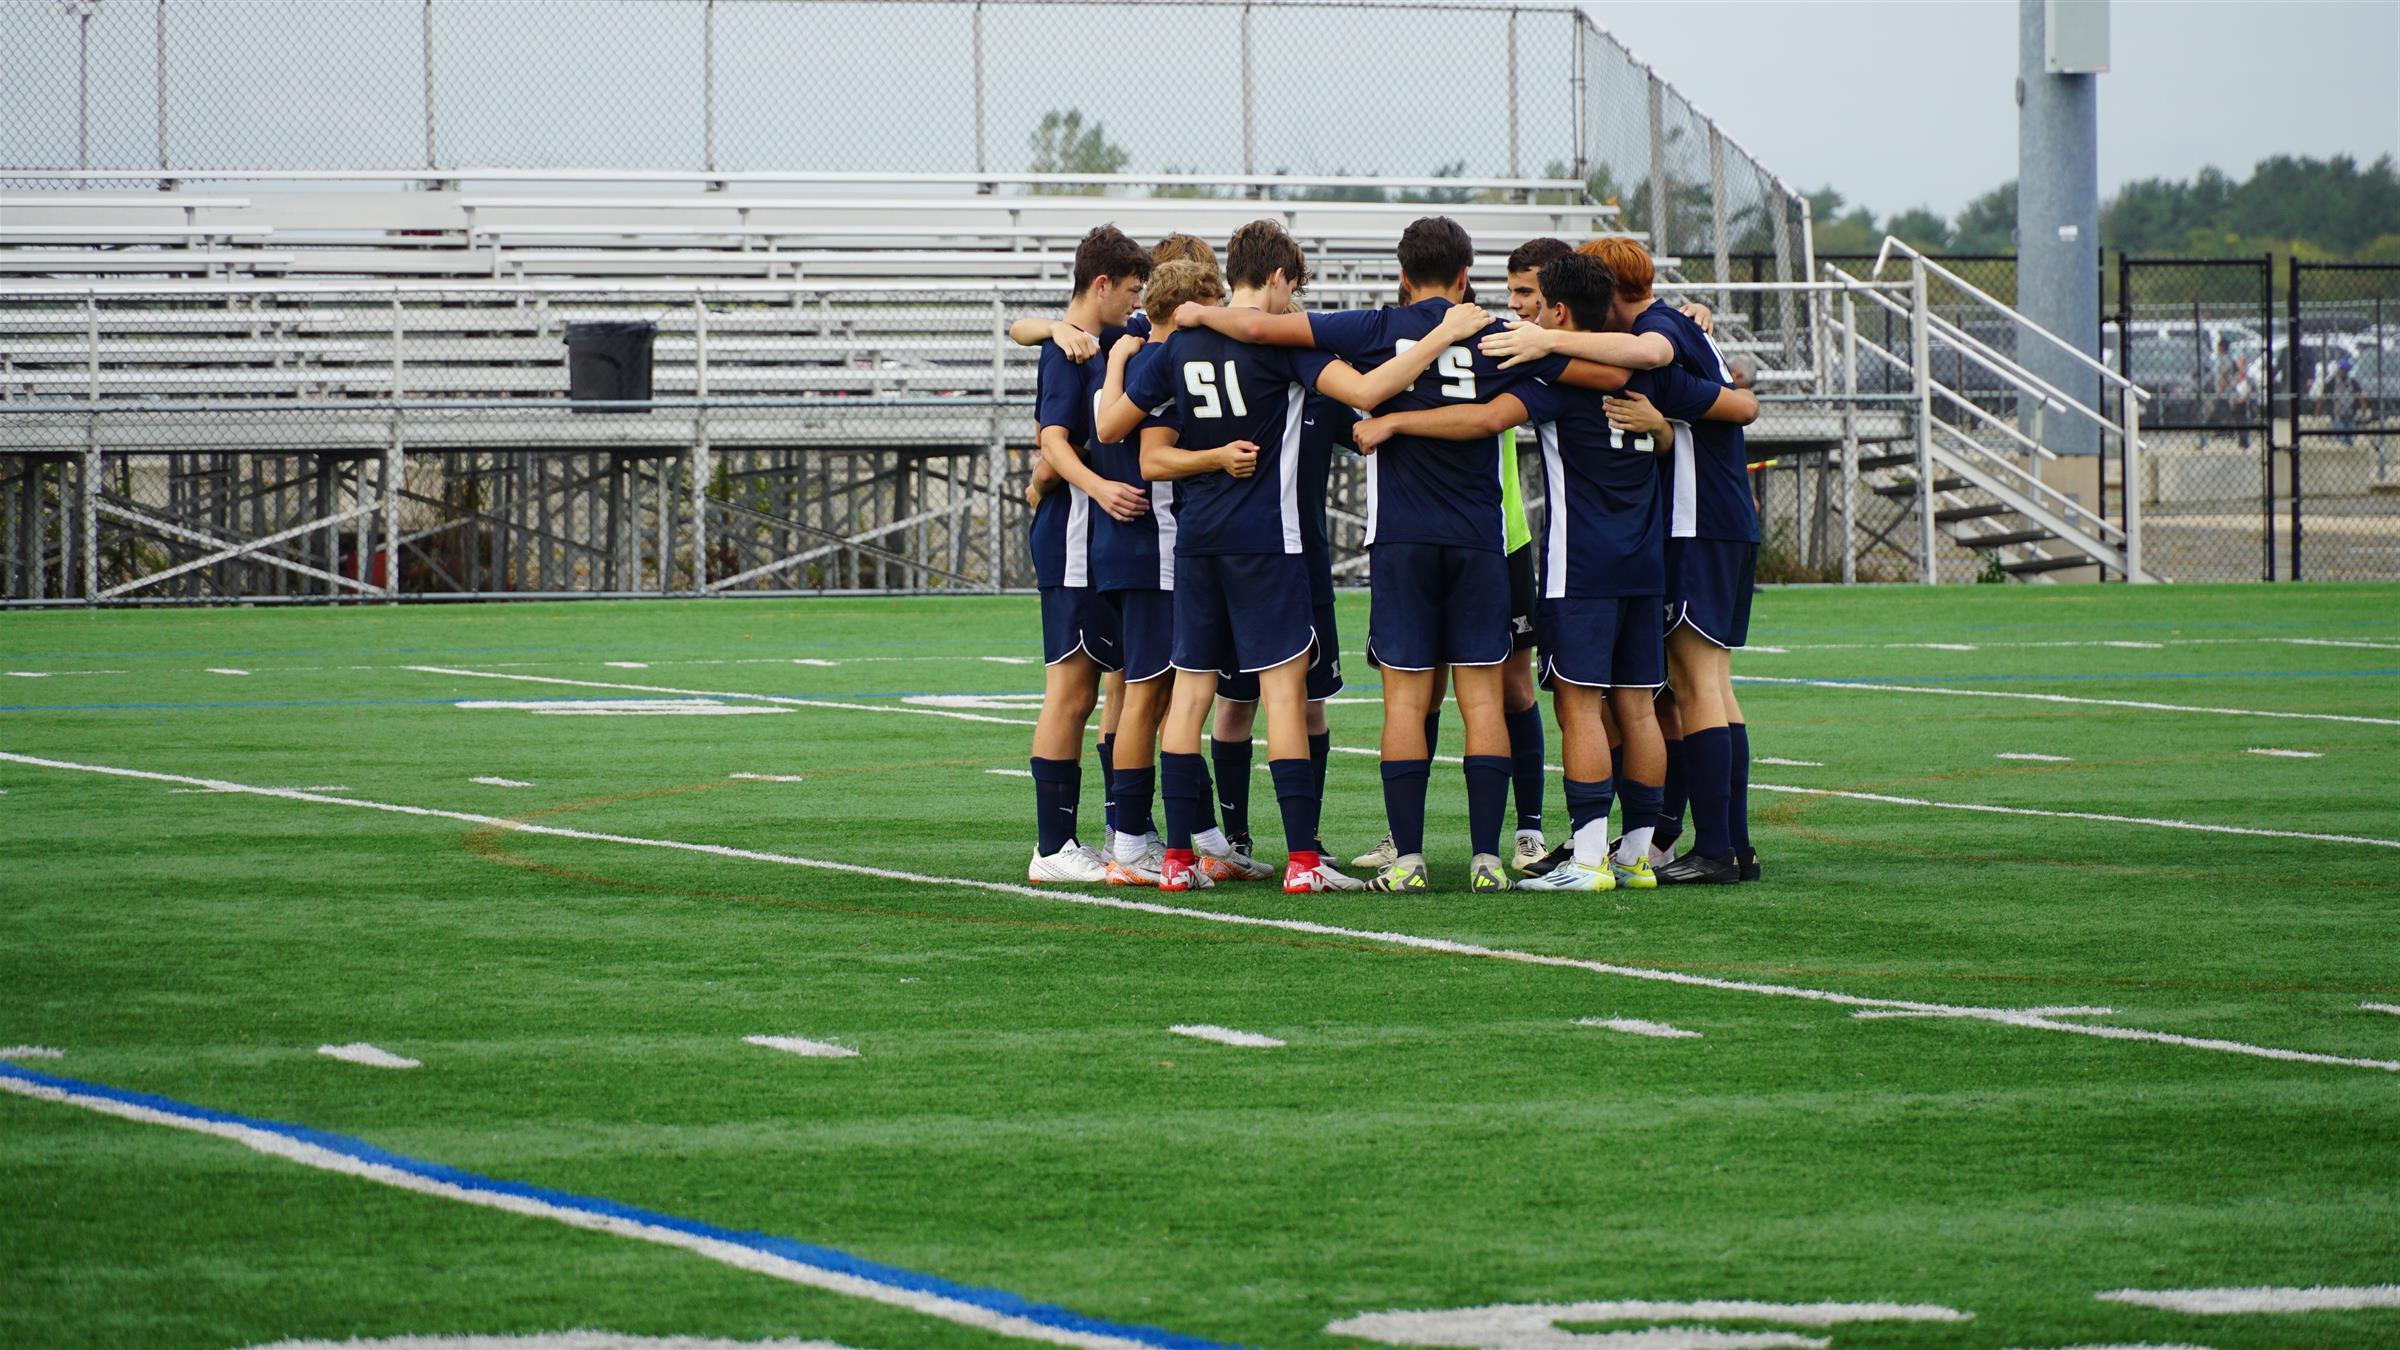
column 1440, row 1130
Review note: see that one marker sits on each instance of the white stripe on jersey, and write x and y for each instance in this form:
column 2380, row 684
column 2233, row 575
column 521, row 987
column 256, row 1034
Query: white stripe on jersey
column 1287, row 465
column 1079, row 537
column 1554, row 511
column 1162, row 507
column 1683, row 520
column 1371, row 501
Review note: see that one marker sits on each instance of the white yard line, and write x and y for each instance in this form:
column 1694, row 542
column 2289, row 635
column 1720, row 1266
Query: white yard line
column 1789, row 763
column 1251, row 1040
column 1634, row 1026
column 30, row 1052
column 764, row 777
column 2073, row 1011
column 2063, row 698
column 359, row 1052
column 813, row 661
column 489, row 781
column 2338, row 642
column 226, row 670
column 2151, row 821
column 1413, row 941
column 724, row 693
column 2260, row 1299
column 2038, row 759
column 627, row 665
column 794, row 1045
column 595, row 1217
column 1010, row 773
column 2283, row 754
column 2393, row 1008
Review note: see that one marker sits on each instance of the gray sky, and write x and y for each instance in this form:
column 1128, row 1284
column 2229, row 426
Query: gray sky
column 2193, row 83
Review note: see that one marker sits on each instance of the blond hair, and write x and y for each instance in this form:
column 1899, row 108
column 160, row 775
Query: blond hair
column 1174, row 282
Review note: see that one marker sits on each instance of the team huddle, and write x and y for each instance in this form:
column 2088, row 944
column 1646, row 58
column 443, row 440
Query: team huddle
column 1189, row 418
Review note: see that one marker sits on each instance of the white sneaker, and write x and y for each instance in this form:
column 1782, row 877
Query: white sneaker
column 1140, row 870
column 1072, row 863
column 1379, row 857
column 1531, row 849
column 1573, row 876
column 1298, row 880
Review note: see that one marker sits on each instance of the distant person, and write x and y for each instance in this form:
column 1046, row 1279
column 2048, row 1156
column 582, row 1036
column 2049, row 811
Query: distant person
column 2338, row 396
column 2234, row 390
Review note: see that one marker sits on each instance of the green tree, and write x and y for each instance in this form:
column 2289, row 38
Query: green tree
column 1988, row 224
column 1063, row 144
column 1921, row 226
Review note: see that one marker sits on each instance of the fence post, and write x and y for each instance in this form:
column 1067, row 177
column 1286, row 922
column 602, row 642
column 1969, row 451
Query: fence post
column 89, row 508
column 708, row 86
column 159, row 65
column 83, row 89
column 1849, row 437
column 978, row 58
column 2292, row 344
column 1716, row 210
column 2133, row 484
column 996, row 459
column 1512, row 94
column 1661, row 227
column 430, row 161
column 1921, row 380
column 1249, row 102
column 1575, row 81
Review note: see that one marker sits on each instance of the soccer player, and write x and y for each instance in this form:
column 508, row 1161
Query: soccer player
column 1078, row 638
column 1436, row 531
column 1712, row 555
column 1133, row 582
column 1080, row 346
column 1243, row 600
column 1603, row 575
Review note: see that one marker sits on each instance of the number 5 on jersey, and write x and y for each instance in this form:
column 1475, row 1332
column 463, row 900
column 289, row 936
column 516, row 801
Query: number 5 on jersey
column 1456, row 366
column 1200, row 381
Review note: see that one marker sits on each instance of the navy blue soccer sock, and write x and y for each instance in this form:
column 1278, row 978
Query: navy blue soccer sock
column 1708, row 775
column 1134, row 789
column 1641, row 800
column 1487, row 801
column 1525, row 764
column 1587, row 802
column 1404, row 783
column 1183, row 787
column 1296, row 794
column 1231, row 760
column 1737, row 802
column 1320, row 749
column 1057, row 790
column 1433, row 732
column 1672, row 798
column 1108, row 782
column 1616, row 773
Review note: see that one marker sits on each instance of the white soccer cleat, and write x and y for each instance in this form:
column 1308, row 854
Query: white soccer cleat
column 1232, row 865
column 1574, row 876
column 1379, row 857
column 1141, row 870
column 1531, row 849
column 1072, row 863
column 1298, row 880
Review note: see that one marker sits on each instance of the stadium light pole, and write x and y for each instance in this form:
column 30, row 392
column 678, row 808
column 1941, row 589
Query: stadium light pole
column 2062, row 49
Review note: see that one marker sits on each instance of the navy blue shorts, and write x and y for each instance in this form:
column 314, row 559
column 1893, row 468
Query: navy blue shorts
column 1709, row 582
column 1324, row 667
column 1437, row 604
column 1241, row 611
column 1074, row 619
column 1145, row 624
column 1523, row 602
column 1605, row 642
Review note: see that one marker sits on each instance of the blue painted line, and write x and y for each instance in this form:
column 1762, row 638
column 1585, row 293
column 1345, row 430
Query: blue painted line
column 805, row 1253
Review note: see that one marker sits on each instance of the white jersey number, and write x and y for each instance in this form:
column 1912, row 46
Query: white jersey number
column 1642, row 443
column 1200, row 381
column 1456, row 366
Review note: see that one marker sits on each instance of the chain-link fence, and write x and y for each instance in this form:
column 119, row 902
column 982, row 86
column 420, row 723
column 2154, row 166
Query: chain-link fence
column 156, row 86
column 2336, row 365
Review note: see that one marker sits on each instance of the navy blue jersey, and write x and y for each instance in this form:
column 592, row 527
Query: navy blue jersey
column 1419, row 490
column 1062, row 524
column 1216, row 391
column 1708, row 477
column 1136, row 555
column 1604, row 531
column 1324, row 425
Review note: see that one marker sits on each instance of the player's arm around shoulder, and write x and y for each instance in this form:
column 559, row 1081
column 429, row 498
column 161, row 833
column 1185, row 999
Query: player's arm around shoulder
column 1165, row 461
column 1456, row 422
column 1519, row 343
column 1369, row 390
column 1244, row 324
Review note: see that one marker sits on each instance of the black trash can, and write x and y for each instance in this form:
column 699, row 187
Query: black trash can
column 607, row 362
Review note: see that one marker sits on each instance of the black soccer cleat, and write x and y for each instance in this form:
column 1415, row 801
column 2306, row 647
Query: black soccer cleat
column 1694, row 870
column 1748, row 861
column 1549, row 862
